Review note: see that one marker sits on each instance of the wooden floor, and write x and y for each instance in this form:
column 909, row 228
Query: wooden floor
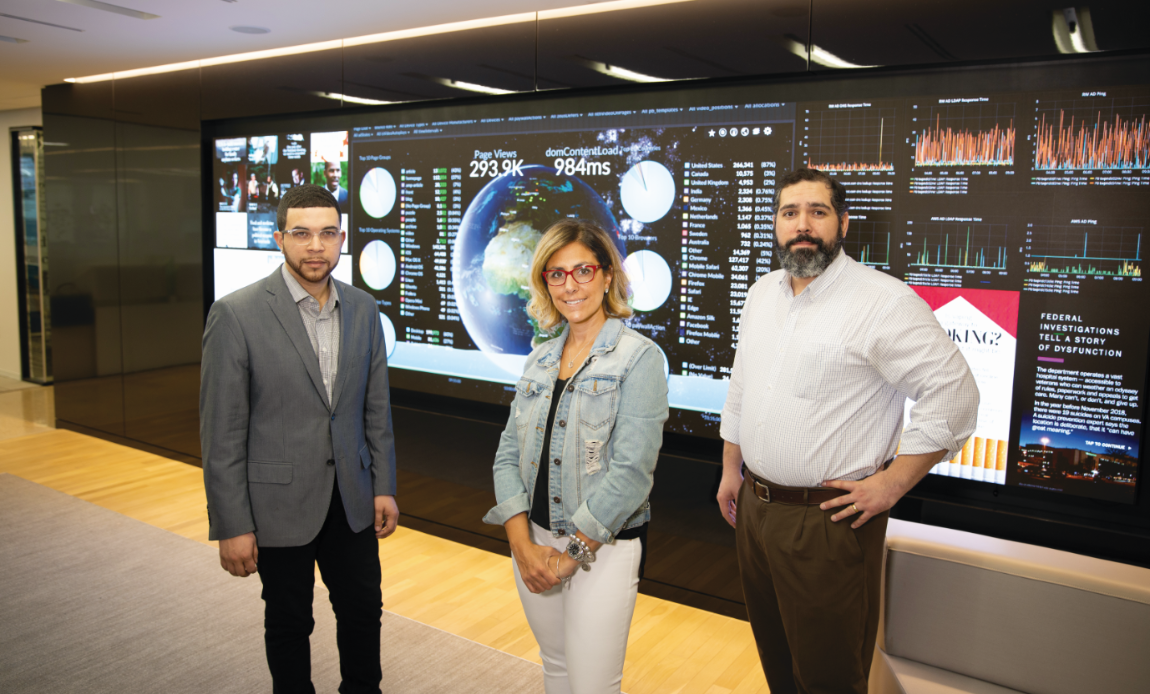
column 443, row 584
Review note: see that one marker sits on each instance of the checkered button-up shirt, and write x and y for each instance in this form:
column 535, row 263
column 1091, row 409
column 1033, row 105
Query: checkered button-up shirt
column 820, row 380
column 322, row 326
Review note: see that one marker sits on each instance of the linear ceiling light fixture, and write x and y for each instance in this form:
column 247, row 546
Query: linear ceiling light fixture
column 374, row 38
column 115, row 9
column 37, row 21
column 352, row 99
column 470, row 86
column 818, row 55
column 620, row 72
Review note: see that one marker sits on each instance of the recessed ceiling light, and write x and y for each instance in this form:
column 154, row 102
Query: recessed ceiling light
column 250, row 30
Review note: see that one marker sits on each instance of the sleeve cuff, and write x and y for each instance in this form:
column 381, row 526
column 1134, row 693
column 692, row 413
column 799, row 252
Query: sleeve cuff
column 508, row 510
column 928, row 439
column 590, row 526
column 729, row 429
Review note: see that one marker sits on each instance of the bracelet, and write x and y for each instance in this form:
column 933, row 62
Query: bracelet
column 578, row 550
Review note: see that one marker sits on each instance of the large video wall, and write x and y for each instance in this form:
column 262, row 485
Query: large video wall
column 1020, row 217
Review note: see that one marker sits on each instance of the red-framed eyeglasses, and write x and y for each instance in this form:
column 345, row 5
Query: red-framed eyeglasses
column 582, row 275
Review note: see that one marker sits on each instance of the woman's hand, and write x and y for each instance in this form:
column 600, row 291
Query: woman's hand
column 567, row 566
column 536, row 565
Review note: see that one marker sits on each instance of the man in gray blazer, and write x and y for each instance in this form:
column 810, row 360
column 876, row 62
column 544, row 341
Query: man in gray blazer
column 298, row 448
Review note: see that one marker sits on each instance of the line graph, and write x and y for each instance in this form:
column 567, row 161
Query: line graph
column 868, row 242
column 1085, row 250
column 964, row 134
column 960, row 245
column 849, row 139
column 1092, row 133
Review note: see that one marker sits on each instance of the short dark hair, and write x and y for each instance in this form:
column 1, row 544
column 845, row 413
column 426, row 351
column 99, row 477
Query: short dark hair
column 838, row 192
column 304, row 195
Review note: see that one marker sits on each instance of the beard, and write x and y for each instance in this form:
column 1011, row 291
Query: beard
column 308, row 273
column 808, row 262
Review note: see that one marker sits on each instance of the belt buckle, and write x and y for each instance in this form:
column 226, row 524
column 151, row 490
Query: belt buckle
column 766, row 495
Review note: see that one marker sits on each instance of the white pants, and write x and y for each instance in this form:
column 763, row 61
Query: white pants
column 582, row 629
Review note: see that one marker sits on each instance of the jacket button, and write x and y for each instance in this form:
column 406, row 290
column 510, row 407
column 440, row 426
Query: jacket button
column 570, row 389
column 560, row 532
column 333, row 418
column 557, row 499
column 331, row 462
column 558, row 461
column 562, row 422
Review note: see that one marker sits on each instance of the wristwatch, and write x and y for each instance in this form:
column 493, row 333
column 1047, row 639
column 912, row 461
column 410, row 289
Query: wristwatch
column 580, row 552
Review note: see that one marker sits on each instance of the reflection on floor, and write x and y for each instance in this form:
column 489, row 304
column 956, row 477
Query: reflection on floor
column 461, row 589
column 444, row 449
column 25, row 408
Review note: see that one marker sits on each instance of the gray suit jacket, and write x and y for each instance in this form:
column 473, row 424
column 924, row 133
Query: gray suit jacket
column 272, row 444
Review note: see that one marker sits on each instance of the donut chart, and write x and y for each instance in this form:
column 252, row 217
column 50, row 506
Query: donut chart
column 647, row 191
column 388, row 334
column 377, row 265
column 377, row 192
column 650, row 278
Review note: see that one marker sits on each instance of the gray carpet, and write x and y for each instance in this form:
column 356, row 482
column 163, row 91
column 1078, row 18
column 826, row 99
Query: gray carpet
column 92, row 601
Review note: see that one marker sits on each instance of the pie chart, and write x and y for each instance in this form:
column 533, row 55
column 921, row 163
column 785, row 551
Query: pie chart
column 377, row 192
column 650, row 278
column 377, row 265
column 388, row 334
column 647, row 191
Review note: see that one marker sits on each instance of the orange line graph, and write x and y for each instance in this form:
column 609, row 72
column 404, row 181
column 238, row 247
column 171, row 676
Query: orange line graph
column 945, row 147
column 1121, row 144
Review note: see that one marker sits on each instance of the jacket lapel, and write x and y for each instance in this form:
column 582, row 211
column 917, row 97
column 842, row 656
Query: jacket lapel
column 346, row 321
column 287, row 313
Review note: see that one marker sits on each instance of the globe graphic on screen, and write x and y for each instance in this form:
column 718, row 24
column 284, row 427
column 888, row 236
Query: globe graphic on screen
column 494, row 247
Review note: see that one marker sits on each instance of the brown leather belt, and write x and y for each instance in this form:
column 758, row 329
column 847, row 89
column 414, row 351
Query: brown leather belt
column 778, row 495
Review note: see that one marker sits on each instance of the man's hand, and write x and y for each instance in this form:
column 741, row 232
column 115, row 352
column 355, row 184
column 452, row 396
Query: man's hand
column 871, row 496
column 537, row 565
column 386, row 516
column 732, row 478
column 238, row 555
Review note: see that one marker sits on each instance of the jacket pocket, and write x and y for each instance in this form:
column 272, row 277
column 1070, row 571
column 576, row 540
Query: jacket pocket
column 598, row 400
column 365, row 457
column 270, row 473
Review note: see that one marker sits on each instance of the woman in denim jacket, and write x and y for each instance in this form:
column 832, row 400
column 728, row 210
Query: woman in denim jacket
column 576, row 461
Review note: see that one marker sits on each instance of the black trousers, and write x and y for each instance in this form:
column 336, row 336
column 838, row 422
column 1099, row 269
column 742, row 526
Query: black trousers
column 349, row 564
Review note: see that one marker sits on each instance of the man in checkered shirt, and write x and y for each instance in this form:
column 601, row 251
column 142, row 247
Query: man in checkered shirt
column 829, row 352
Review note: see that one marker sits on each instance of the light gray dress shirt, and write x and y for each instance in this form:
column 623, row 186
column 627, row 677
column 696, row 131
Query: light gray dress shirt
column 820, row 380
column 322, row 326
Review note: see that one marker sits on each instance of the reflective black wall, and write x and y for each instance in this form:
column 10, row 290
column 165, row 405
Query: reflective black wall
column 124, row 203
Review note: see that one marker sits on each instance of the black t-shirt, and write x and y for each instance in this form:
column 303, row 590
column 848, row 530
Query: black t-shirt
column 539, row 501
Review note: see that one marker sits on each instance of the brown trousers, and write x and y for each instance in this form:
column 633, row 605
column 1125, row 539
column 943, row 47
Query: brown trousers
column 812, row 592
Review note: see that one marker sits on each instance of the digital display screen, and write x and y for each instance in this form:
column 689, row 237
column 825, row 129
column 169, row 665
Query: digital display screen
column 1020, row 218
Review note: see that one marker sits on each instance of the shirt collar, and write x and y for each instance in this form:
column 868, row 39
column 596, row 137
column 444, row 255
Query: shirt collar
column 825, row 280
column 298, row 293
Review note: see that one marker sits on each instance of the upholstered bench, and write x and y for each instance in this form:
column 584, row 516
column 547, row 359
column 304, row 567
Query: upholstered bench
column 969, row 613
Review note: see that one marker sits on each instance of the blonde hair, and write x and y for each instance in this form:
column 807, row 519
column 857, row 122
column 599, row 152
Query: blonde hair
column 559, row 235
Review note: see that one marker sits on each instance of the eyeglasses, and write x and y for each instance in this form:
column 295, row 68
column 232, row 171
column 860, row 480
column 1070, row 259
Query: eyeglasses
column 582, row 274
column 303, row 238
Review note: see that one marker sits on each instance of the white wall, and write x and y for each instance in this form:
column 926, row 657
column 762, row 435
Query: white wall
column 9, row 309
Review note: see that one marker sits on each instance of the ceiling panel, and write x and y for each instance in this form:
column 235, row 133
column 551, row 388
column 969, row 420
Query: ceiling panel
column 501, row 57
column 910, row 32
column 718, row 38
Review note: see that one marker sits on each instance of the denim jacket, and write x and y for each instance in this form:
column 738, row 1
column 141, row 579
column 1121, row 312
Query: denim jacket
column 613, row 408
